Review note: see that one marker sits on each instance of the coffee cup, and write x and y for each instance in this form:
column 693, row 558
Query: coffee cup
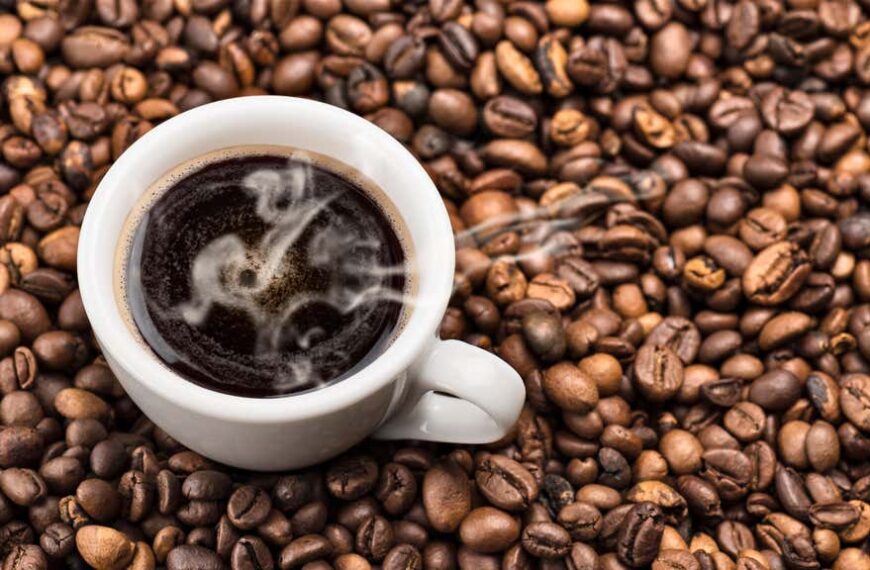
column 419, row 387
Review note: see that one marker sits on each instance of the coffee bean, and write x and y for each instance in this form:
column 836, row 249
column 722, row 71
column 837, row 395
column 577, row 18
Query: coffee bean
column 728, row 470
column 98, row 499
column 215, row 80
column 347, row 35
column 551, row 60
column 791, row 492
column 509, row 117
column 557, row 492
column 352, row 477
column 459, row 45
column 248, row 507
column 58, row 540
column 682, row 450
column 581, row 520
column 193, row 556
column 776, row 273
column 701, row 496
column 837, row 516
column 672, row 504
column 517, row 69
column 22, row 486
column 25, row 556
column 93, row 46
column 641, row 534
column 206, row 485
column 402, row 557
column 446, row 496
column 670, row 49
column 776, row 390
column 786, row 111
column 855, row 400
column 20, row 446
column 453, row 110
column 397, row 488
column 250, row 553
column 506, row 483
column 745, row 421
column 25, row 312
column 304, row 549
column 488, row 530
column 546, row 540
column 405, row 56
column 783, row 531
column 569, row 388
column 374, row 538
column 565, row 13
column 658, row 372
column 104, row 547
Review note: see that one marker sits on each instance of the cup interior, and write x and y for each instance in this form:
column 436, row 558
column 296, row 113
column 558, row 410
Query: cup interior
column 267, row 120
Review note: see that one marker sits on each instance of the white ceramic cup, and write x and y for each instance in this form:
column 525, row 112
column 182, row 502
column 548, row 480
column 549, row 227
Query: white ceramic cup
column 420, row 387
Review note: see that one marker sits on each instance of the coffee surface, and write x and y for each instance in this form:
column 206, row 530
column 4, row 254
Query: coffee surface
column 262, row 275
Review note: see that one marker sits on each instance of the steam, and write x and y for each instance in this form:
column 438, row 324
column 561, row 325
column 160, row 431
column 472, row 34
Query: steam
column 266, row 280
column 576, row 210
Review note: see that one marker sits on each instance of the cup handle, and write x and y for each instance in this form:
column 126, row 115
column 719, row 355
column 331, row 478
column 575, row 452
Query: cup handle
column 458, row 393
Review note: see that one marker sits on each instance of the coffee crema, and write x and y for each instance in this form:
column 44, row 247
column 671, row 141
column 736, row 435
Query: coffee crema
column 264, row 271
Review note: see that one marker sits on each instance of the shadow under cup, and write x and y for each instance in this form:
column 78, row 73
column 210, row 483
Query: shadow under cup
column 203, row 419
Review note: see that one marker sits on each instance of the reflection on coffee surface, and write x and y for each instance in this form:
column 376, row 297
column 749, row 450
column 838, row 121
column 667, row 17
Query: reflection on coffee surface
column 265, row 273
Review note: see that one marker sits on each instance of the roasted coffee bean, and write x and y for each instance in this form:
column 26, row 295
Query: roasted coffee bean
column 248, row 507
column 22, row 486
column 193, row 556
column 58, row 540
column 509, row 117
column 488, row 530
column 678, row 334
column 92, row 46
column 100, row 500
column 581, row 520
column 446, row 496
column 459, row 45
column 517, row 69
column 781, row 531
column 506, row 483
column 658, row 372
column 206, row 485
column 776, row 390
column 551, row 60
column 791, row 492
column 855, row 400
column 397, row 488
column 569, row 388
column 701, row 496
column 546, row 540
column 403, row 557
column 730, row 471
column 251, row 553
column 776, row 273
column 104, row 547
column 641, row 534
column 557, row 492
column 682, row 450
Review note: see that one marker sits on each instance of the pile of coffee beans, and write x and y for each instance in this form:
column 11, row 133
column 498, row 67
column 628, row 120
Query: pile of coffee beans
column 662, row 221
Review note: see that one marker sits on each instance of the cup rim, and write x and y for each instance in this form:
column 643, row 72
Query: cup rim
column 145, row 368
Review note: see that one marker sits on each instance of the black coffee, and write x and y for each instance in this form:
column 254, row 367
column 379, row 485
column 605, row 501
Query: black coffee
column 265, row 274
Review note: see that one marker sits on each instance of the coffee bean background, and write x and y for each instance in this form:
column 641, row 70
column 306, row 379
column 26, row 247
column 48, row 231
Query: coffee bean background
column 662, row 222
